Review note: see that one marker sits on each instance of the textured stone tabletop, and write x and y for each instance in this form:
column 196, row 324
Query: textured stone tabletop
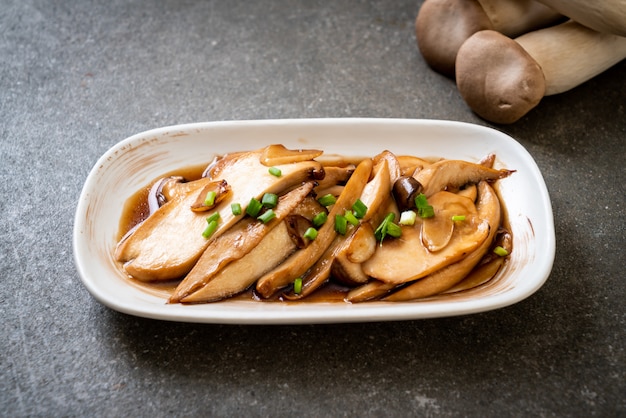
column 76, row 77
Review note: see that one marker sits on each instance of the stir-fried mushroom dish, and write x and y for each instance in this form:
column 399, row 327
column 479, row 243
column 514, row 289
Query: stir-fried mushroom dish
column 282, row 224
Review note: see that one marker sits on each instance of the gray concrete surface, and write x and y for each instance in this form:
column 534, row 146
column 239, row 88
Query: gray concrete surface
column 77, row 77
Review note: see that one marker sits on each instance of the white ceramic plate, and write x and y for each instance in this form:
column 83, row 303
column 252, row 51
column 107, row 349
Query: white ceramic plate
column 135, row 161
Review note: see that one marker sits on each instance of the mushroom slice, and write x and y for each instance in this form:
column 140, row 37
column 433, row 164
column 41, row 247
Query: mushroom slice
column 359, row 242
column 235, row 243
column 488, row 266
column 164, row 190
column 470, row 192
column 335, row 175
column 439, row 281
column 347, row 272
column 410, row 164
column 393, row 164
column 374, row 289
column 277, row 154
column 167, row 244
column 455, row 173
column 299, row 262
column 437, row 230
column 220, row 188
column 361, row 245
column 239, row 275
column 405, row 259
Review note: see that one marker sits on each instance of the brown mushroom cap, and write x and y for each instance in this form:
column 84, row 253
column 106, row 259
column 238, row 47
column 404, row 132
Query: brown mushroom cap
column 442, row 26
column 497, row 78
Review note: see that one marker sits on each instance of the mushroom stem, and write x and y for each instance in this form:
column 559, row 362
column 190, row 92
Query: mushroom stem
column 608, row 16
column 570, row 54
column 513, row 17
column 442, row 26
column 502, row 79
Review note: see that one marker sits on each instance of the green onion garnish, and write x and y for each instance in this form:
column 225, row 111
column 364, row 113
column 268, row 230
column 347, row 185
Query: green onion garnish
column 424, row 210
column 359, row 208
column 457, row 218
column 267, row 216
column 351, row 218
column 500, row 251
column 235, row 208
column 297, row 286
column 327, row 200
column 209, row 200
column 269, row 200
column 214, row 217
column 275, row 171
column 341, row 224
column 319, row 219
column 407, row 217
column 394, row 230
column 310, row 233
column 384, row 228
column 210, row 229
column 254, row 207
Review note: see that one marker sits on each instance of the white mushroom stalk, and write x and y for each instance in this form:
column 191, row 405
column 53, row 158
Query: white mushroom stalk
column 502, row 79
column 608, row 16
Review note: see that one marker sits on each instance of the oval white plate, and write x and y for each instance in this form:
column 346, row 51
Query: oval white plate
column 135, row 161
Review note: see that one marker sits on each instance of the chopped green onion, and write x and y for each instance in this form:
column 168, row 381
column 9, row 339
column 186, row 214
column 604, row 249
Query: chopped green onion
column 267, row 216
column 359, row 208
column 254, row 207
column 394, row 230
column 351, row 218
column 214, row 217
column 310, row 233
column 424, row 210
column 319, row 219
column 407, row 217
column 458, row 218
column 327, row 200
column 210, row 229
column 209, row 200
column 383, row 228
column 297, row 286
column 235, row 208
column 500, row 251
column 341, row 224
column 275, row 171
column 269, row 200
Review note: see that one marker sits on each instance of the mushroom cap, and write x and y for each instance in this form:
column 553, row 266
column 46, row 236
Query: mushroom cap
column 442, row 26
column 497, row 78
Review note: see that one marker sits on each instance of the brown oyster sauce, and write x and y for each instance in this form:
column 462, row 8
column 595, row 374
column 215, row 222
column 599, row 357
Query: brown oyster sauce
column 136, row 210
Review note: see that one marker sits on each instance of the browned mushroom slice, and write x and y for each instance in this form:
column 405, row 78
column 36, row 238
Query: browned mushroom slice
column 359, row 243
column 164, row 190
column 488, row 209
column 167, row 244
column 298, row 263
column 437, row 230
column 219, row 188
column 239, row 275
column 410, row 164
column 335, row 175
column 487, row 268
column 278, row 154
column 470, row 192
column 405, row 259
column 347, row 272
column 235, row 243
column 374, row 289
column 455, row 173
